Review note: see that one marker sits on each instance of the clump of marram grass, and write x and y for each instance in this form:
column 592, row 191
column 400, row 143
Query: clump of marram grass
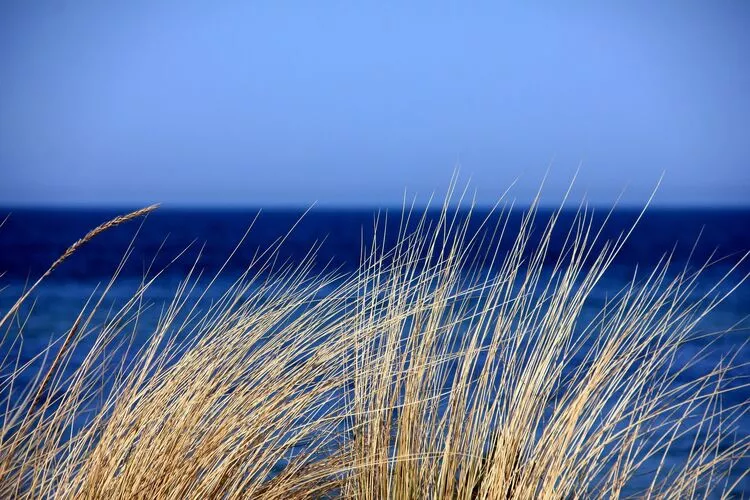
column 420, row 376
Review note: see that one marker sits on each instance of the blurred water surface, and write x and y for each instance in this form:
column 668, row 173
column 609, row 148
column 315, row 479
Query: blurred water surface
column 31, row 239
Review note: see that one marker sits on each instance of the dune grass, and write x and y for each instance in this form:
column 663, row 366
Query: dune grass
column 419, row 376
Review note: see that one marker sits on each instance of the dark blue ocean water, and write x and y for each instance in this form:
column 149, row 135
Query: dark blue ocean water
column 30, row 240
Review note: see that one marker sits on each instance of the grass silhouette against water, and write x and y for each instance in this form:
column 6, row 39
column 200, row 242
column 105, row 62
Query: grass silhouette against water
column 419, row 376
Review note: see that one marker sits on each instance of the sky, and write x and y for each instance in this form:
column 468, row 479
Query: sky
column 352, row 103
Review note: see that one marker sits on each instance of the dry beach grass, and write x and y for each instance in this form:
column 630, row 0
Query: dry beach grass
column 420, row 376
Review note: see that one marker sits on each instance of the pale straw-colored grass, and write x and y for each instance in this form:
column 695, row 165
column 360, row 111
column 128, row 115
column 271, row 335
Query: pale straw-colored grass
column 420, row 376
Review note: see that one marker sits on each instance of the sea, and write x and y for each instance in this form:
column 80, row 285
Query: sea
column 175, row 242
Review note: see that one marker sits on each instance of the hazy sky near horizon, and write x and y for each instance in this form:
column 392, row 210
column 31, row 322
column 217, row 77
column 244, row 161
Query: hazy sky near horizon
column 261, row 103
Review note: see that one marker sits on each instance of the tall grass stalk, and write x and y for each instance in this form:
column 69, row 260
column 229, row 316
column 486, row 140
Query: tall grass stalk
column 421, row 375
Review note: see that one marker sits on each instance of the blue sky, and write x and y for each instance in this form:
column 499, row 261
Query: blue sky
column 349, row 103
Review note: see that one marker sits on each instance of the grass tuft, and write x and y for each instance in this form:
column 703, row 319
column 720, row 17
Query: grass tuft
column 421, row 375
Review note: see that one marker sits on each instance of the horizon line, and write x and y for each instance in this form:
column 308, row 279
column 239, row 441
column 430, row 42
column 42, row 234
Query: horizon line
column 367, row 207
